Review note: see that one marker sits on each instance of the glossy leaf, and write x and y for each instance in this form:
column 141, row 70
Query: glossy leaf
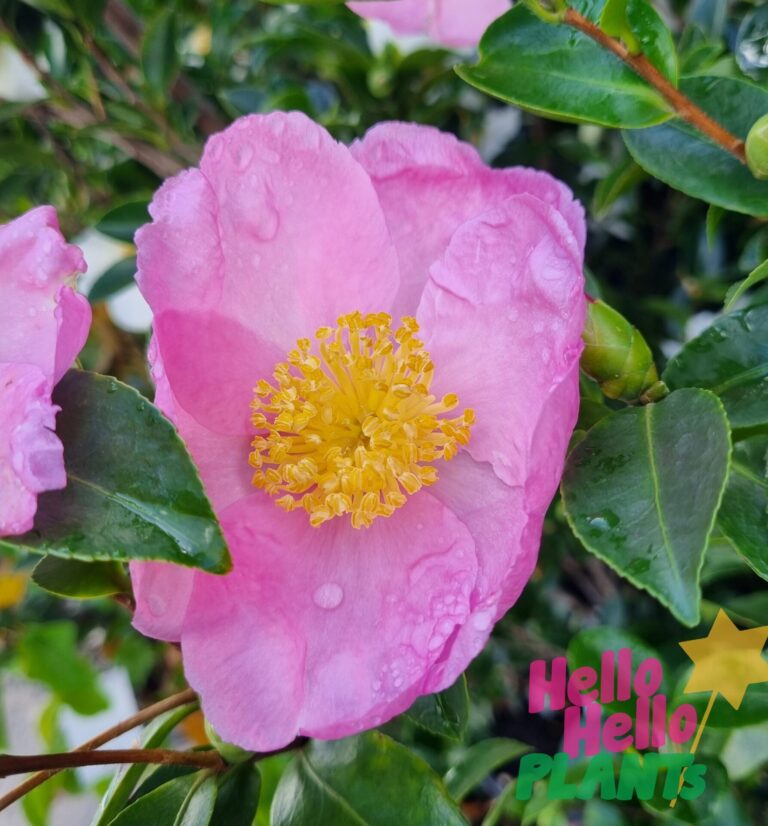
column 682, row 157
column 480, row 760
column 116, row 278
column 80, row 580
column 368, row 780
column 445, row 713
column 641, row 491
column 555, row 70
column 184, row 801
column 122, row 222
column 48, row 652
column 238, row 796
column 743, row 516
column 125, row 780
column 730, row 358
column 132, row 490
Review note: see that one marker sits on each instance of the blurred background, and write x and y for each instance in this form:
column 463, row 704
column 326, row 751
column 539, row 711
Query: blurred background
column 99, row 101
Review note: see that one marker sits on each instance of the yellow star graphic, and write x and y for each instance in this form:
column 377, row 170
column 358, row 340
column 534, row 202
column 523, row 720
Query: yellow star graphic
column 728, row 660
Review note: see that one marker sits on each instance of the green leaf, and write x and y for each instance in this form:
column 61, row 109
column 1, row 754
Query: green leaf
column 554, row 70
column 238, row 797
column 715, row 215
column 478, row 761
column 125, row 780
column 730, row 358
column 368, row 780
column 616, row 183
column 49, row 653
column 183, row 801
column 736, row 291
column 642, row 490
column 116, row 278
column 122, row 222
column 743, row 516
column 682, row 157
column 160, row 59
column 753, row 709
column 445, row 713
column 80, row 580
column 132, row 491
column 615, row 22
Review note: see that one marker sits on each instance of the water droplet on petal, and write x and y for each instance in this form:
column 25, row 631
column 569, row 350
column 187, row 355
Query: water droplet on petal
column 482, row 620
column 328, row 596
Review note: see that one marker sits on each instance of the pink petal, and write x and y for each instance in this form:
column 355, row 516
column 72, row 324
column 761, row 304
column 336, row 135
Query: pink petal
column 451, row 22
column 429, row 184
column 280, row 230
column 162, row 595
column 31, row 456
column 43, row 322
column 502, row 316
column 342, row 626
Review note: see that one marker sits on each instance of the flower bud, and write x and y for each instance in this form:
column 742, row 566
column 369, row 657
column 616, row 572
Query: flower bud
column 616, row 355
column 757, row 148
column 229, row 752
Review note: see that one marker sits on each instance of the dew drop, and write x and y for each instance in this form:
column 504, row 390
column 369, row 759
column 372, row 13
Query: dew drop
column 328, row 596
column 481, row 620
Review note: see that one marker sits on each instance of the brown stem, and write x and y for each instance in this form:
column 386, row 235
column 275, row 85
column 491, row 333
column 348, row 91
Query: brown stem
column 683, row 106
column 141, row 717
column 23, row 763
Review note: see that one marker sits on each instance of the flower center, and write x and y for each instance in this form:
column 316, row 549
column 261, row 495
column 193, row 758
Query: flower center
column 353, row 429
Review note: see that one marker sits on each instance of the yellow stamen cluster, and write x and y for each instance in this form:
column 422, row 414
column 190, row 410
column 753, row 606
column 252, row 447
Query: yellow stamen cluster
column 353, row 429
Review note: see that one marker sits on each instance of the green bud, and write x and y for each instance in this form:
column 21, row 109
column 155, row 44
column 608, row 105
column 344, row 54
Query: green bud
column 229, row 752
column 757, row 148
column 616, row 355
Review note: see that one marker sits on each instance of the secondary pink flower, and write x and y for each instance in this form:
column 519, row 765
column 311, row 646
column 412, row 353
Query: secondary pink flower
column 283, row 235
column 43, row 325
column 452, row 22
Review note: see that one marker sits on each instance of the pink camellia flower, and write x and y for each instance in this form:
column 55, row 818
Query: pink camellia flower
column 451, row 22
column 43, row 325
column 372, row 354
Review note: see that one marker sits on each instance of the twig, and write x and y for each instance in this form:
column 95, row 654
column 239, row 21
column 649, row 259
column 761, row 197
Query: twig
column 23, row 763
column 141, row 717
column 684, row 107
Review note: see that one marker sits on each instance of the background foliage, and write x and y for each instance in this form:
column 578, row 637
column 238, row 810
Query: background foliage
column 128, row 92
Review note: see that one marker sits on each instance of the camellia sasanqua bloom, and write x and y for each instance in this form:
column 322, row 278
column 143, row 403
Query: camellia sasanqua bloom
column 457, row 23
column 43, row 325
column 372, row 353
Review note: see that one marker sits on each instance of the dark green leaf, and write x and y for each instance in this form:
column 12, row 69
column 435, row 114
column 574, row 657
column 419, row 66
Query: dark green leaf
column 480, row 760
column 445, row 713
column 125, row 780
column 730, row 358
column 132, row 490
column 116, row 278
column 753, row 709
column 368, row 780
column 642, row 492
column 80, row 580
column 743, row 516
column 184, row 801
column 238, row 797
column 554, row 70
column 758, row 275
column 159, row 56
column 49, row 653
column 617, row 183
column 123, row 221
column 682, row 157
